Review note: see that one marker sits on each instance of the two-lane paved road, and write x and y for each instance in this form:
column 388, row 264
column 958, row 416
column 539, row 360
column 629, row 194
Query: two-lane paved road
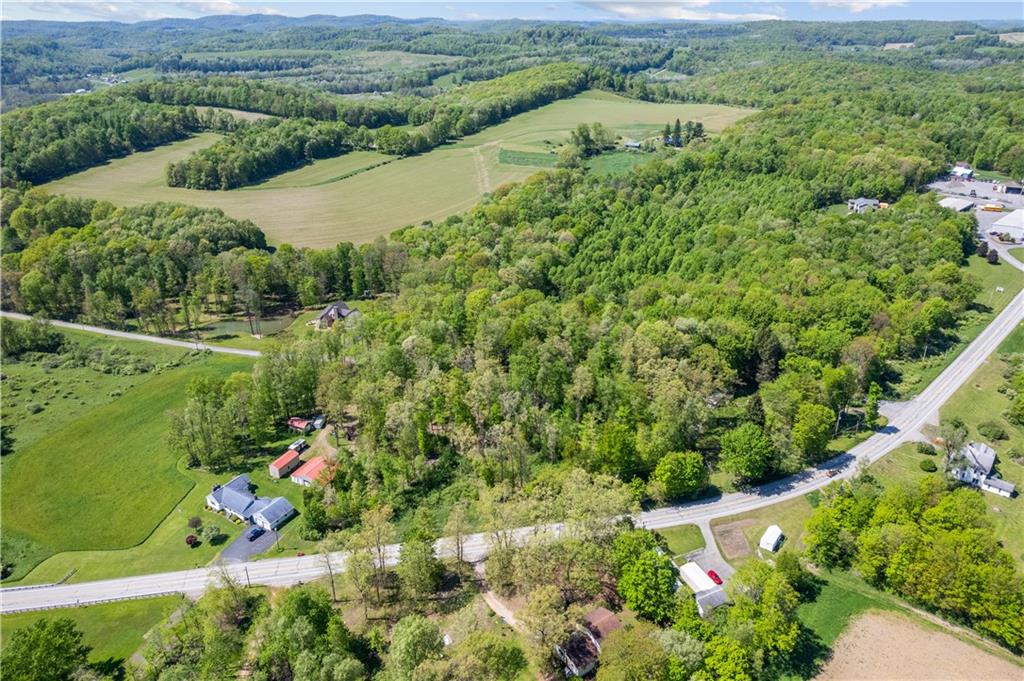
column 127, row 335
column 903, row 427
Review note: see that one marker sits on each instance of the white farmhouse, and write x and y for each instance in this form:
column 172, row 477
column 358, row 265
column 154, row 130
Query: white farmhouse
column 974, row 467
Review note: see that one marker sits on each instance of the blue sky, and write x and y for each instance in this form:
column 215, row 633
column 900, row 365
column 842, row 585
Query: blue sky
column 596, row 10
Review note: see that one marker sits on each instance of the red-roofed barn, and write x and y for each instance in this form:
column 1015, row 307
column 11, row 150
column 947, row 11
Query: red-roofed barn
column 314, row 470
column 285, row 464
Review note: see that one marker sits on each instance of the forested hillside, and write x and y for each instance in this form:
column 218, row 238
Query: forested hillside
column 569, row 349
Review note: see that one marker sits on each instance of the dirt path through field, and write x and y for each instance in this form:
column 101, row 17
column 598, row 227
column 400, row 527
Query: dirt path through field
column 887, row 647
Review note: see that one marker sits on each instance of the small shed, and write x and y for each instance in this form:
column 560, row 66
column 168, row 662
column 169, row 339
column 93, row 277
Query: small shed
column 283, row 465
column 772, row 538
column 300, row 425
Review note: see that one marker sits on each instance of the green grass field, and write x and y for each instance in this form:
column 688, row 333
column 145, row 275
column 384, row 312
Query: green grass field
column 101, row 476
column 617, row 162
column 297, row 208
column 113, row 630
column 682, row 539
column 237, row 113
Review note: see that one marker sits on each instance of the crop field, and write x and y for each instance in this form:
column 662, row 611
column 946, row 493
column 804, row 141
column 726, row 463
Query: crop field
column 99, row 474
column 237, row 113
column 338, row 200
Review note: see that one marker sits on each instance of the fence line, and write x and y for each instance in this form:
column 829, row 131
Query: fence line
column 101, row 601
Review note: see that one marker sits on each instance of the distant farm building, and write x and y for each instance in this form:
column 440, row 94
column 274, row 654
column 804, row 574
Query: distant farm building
column 707, row 594
column 1009, row 187
column 862, row 205
column 962, row 171
column 581, row 652
column 631, row 145
column 284, row 464
column 974, row 467
column 236, row 500
column 313, row 471
column 771, row 539
column 959, row 205
column 1012, row 225
column 332, row 313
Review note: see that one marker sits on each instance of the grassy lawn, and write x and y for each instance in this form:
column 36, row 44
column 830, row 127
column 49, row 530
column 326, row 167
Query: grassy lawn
column 1018, row 253
column 683, row 539
column 103, row 478
column 294, row 208
column 978, row 400
column 789, row 515
column 917, row 374
column 113, row 630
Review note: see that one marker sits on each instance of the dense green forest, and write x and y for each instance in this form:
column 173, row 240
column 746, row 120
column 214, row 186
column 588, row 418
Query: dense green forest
column 571, row 348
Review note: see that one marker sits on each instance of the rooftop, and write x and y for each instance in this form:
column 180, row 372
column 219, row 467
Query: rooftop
column 285, row 459
column 979, row 456
column 312, row 470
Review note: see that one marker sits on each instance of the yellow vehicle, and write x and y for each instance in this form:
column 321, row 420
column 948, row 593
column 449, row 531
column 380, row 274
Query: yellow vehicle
column 992, row 207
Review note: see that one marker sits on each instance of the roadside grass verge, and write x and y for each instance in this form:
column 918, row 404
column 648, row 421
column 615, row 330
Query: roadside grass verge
column 682, row 539
column 915, row 375
column 113, row 630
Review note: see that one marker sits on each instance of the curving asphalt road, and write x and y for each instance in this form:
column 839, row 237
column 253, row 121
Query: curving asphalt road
column 127, row 335
column 906, row 420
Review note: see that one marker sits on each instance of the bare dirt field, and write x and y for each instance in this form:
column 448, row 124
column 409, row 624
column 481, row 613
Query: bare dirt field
column 732, row 540
column 887, row 647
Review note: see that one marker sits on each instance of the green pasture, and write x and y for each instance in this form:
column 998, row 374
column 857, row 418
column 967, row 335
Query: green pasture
column 101, row 476
column 298, row 207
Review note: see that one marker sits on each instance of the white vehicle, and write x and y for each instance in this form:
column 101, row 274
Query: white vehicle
column 299, row 445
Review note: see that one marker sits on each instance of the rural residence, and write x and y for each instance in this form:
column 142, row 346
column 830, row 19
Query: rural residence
column 707, row 594
column 299, row 425
column 236, row 500
column 582, row 650
column 332, row 313
column 974, row 467
column 862, row 205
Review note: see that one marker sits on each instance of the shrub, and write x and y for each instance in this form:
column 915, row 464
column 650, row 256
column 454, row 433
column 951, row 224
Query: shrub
column 33, row 408
column 928, row 466
column 926, row 449
column 192, row 541
column 992, row 430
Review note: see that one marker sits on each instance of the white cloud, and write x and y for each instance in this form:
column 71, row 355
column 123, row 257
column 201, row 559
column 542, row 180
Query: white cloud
column 857, row 6
column 140, row 10
column 688, row 10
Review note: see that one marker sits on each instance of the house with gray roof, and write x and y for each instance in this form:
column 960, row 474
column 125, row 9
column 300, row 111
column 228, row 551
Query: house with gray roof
column 973, row 466
column 334, row 312
column 236, row 500
column 862, row 205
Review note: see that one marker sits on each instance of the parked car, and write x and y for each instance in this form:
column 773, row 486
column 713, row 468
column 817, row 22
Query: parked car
column 254, row 533
column 974, row 194
column 833, row 472
column 299, row 445
column 714, row 577
column 319, row 422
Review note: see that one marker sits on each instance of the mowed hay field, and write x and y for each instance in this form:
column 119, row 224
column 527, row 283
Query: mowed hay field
column 354, row 198
column 104, row 477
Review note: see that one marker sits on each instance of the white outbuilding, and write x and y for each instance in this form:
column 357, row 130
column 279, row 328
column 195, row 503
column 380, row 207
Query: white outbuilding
column 772, row 538
column 1012, row 224
column 959, row 205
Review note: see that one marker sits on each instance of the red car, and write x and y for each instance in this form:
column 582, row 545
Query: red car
column 714, row 577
